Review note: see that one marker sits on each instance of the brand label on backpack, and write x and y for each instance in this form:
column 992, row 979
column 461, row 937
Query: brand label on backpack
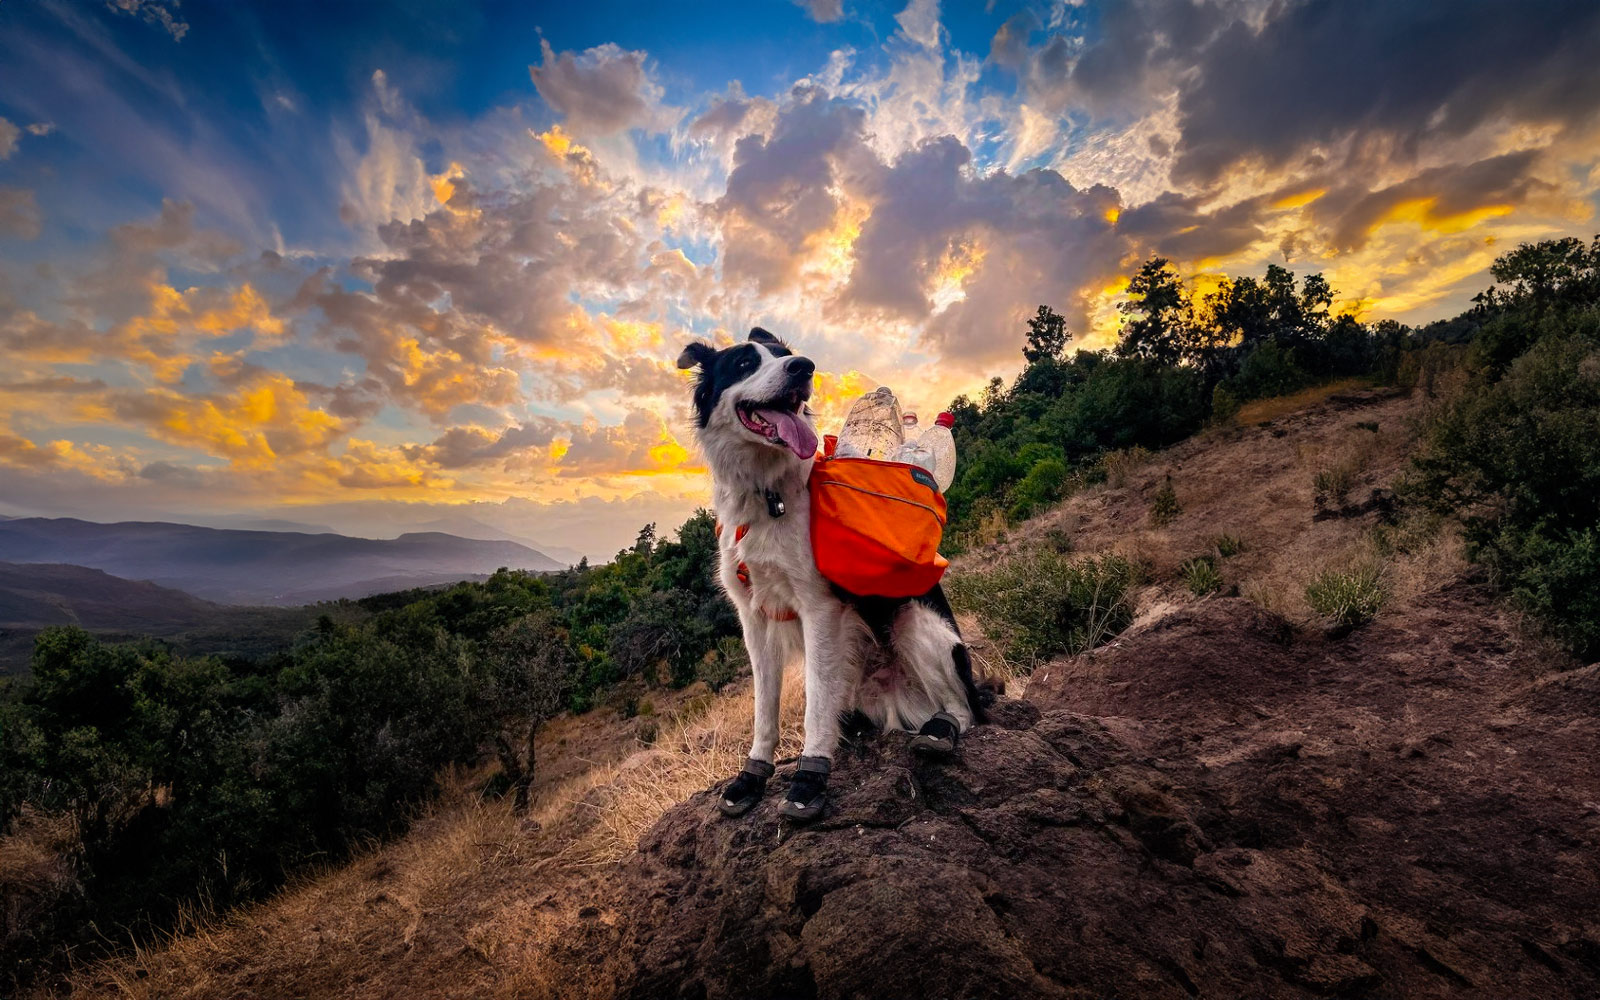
column 922, row 476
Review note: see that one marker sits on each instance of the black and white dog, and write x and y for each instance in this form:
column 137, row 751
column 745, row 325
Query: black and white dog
column 899, row 662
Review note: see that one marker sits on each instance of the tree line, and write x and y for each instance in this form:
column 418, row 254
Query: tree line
column 1181, row 360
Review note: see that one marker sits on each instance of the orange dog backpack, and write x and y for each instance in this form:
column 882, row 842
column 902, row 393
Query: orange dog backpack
column 875, row 526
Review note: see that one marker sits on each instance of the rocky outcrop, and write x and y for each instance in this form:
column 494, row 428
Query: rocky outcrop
column 1210, row 807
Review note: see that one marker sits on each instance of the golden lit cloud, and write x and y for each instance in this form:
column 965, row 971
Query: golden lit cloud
column 1425, row 213
column 260, row 422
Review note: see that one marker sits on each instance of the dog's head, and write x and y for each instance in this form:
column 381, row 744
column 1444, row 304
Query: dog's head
column 753, row 395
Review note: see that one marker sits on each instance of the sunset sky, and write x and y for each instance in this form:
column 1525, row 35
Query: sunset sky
column 347, row 264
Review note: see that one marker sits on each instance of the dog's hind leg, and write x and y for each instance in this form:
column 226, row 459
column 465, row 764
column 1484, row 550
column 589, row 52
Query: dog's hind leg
column 934, row 658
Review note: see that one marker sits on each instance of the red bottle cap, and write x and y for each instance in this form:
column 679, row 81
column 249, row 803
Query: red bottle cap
column 945, row 420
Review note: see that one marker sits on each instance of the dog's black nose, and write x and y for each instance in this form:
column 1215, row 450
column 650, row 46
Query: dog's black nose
column 802, row 367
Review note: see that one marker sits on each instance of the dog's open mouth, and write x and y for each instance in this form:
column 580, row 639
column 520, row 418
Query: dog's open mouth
column 782, row 422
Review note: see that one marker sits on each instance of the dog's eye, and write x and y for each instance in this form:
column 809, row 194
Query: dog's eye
column 746, row 363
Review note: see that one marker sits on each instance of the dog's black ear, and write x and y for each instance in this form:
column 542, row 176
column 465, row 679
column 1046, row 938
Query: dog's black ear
column 761, row 336
column 696, row 353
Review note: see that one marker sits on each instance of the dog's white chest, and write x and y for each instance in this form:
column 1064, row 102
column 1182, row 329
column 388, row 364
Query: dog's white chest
column 769, row 559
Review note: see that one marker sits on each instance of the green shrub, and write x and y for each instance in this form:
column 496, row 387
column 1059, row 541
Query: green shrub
column 1269, row 370
column 1224, row 404
column 1518, row 460
column 1044, row 484
column 1347, row 597
column 1200, row 575
column 1164, row 506
column 726, row 663
column 1041, row 604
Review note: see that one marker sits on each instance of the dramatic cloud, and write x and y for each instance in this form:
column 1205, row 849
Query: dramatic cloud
column 1176, row 227
column 1320, row 72
column 1444, row 198
column 786, row 189
column 1139, row 50
column 604, row 89
column 995, row 245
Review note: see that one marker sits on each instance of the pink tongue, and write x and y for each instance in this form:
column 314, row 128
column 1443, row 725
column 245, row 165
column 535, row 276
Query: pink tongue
column 796, row 433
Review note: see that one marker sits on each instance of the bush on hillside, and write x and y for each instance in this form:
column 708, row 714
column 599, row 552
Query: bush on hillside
column 1226, row 545
column 1044, row 484
column 1269, row 370
column 1041, row 604
column 1347, row 598
column 728, row 663
column 1519, row 459
column 1200, row 575
column 1164, row 506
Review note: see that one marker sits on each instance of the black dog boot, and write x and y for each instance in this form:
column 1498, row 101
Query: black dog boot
column 808, row 792
column 938, row 736
column 746, row 789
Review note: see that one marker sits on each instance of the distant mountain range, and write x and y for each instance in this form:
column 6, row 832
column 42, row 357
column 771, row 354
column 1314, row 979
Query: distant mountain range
column 262, row 567
column 34, row 596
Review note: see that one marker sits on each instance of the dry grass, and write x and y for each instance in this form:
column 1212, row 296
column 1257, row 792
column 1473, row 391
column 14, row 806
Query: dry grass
column 38, row 848
column 1277, row 407
column 693, row 751
column 1119, row 465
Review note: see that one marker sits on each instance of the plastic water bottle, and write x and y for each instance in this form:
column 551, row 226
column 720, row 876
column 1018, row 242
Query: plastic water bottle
column 939, row 443
column 872, row 429
column 913, row 453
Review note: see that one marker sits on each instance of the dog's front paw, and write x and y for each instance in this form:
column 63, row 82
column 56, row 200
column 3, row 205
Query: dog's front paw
column 808, row 791
column 746, row 789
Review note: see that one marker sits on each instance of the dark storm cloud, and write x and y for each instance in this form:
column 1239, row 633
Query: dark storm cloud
column 1136, row 49
column 1023, row 240
column 1174, row 227
column 1323, row 70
